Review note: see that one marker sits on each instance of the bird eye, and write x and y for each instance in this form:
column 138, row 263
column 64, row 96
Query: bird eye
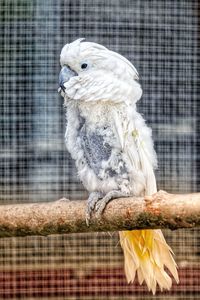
column 84, row 66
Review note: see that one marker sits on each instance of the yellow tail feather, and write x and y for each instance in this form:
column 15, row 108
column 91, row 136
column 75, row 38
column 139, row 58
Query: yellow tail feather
column 147, row 254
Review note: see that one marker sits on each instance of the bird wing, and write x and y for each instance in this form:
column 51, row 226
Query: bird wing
column 136, row 141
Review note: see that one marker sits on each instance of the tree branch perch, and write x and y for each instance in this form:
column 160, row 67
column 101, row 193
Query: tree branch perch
column 162, row 210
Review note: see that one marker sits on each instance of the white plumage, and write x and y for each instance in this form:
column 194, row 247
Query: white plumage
column 113, row 148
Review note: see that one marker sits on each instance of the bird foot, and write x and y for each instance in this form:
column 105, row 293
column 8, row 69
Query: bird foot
column 101, row 205
column 97, row 202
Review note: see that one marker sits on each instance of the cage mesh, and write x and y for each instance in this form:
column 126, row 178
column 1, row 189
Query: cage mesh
column 161, row 39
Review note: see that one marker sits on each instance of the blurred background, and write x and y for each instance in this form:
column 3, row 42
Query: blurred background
column 161, row 39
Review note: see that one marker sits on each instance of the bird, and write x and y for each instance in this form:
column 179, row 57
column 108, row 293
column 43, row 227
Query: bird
column 113, row 149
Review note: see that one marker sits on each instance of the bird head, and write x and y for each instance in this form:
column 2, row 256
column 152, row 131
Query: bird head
column 91, row 72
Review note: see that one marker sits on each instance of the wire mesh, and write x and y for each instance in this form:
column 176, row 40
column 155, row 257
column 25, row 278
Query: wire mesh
column 161, row 39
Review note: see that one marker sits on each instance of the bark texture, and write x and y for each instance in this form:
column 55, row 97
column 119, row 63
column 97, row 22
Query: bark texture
column 161, row 210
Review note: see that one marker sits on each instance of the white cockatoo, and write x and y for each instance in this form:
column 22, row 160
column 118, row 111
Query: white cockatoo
column 113, row 149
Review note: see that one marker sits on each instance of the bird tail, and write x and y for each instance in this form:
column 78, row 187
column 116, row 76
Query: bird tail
column 147, row 254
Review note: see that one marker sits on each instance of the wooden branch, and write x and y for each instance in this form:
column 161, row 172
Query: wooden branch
column 162, row 210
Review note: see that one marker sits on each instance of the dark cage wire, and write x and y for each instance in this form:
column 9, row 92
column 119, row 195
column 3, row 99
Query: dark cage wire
column 161, row 39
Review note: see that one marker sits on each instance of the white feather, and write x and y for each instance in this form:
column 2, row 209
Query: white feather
column 106, row 94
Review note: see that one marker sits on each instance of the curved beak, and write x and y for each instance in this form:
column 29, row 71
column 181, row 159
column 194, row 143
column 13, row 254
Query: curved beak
column 65, row 74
